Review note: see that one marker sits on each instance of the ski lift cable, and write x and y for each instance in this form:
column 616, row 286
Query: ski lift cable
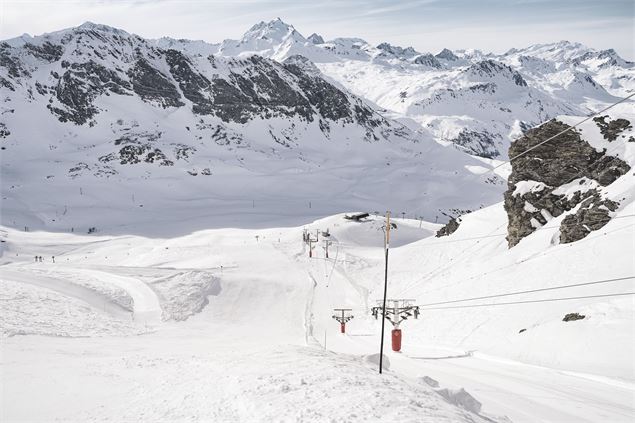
column 498, row 269
column 453, row 262
column 337, row 251
column 590, row 116
column 413, row 285
column 473, row 238
column 444, row 266
column 544, row 300
column 505, row 234
column 587, row 118
column 529, row 291
column 562, row 132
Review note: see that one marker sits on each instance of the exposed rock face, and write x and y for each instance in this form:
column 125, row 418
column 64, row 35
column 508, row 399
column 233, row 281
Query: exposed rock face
column 483, row 144
column 78, row 87
column 152, row 85
column 571, row 317
column 316, row 39
column 95, row 61
column 449, row 228
column 46, row 51
column 396, row 51
column 427, row 60
column 491, row 68
column 15, row 69
column 331, row 102
column 612, row 128
column 555, row 178
column 137, row 148
column 592, row 215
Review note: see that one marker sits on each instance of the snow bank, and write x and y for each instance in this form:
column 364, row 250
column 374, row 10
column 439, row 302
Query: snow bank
column 185, row 293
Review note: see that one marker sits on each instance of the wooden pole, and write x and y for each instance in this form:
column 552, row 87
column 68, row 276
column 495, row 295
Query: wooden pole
column 383, row 310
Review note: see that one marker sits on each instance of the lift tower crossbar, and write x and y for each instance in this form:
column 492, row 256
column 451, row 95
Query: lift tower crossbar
column 398, row 311
column 343, row 317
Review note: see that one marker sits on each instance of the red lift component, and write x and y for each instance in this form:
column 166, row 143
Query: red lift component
column 342, row 317
column 396, row 340
column 401, row 310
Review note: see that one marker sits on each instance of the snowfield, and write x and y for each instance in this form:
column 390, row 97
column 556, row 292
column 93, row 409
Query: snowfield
column 246, row 332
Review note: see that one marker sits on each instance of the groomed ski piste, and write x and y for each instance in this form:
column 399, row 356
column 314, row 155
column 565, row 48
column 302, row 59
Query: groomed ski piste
column 236, row 324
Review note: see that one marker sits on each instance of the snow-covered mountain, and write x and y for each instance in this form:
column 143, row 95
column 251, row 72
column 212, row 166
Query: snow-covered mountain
column 479, row 101
column 139, row 127
column 114, row 105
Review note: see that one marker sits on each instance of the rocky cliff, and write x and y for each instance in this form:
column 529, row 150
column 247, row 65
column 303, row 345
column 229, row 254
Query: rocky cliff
column 567, row 177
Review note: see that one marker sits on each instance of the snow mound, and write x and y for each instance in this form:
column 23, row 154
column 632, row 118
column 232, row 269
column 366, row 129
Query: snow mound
column 462, row 398
column 374, row 360
column 185, row 294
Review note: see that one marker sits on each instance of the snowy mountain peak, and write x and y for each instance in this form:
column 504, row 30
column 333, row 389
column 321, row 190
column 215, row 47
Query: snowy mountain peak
column 316, row 38
column 88, row 25
column 270, row 39
column 446, row 54
column 275, row 30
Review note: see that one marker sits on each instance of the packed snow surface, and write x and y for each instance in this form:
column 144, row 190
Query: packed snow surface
column 235, row 325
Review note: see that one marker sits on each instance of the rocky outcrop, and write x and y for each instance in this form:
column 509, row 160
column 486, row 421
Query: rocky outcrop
column 483, row 144
column 592, row 215
column 449, row 228
column 557, row 177
column 139, row 147
column 46, row 51
column 316, row 38
column 97, row 60
column 78, row 87
column 492, row 68
column 152, row 85
column 395, row 51
column 11, row 63
column 611, row 129
column 195, row 87
column 427, row 60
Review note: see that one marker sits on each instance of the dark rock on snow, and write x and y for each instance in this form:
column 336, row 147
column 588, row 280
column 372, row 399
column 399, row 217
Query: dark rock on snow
column 550, row 166
column 449, row 228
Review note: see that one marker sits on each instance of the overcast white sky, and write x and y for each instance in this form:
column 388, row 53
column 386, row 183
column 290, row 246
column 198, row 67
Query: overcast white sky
column 427, row 25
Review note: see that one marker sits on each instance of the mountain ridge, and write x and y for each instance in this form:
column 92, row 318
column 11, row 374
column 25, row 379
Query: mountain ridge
column 119, row 113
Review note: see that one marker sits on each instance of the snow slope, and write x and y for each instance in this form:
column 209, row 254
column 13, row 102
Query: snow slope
column 257, row 347
column 246, row 330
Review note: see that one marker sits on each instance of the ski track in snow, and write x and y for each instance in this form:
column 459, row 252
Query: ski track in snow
column 64, row 287
column 146, row 302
